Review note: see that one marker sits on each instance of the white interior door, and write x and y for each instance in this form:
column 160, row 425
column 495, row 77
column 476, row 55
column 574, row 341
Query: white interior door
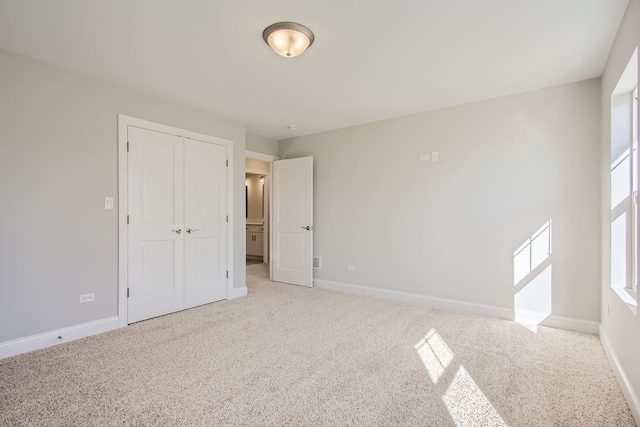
column 293, row 221
column 205, row 222
column 155, row 239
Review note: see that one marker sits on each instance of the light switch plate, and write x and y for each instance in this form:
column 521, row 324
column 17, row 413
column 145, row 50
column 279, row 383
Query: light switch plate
column 108, row 203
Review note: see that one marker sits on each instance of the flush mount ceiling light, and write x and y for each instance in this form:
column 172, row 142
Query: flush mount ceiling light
column 288, row 39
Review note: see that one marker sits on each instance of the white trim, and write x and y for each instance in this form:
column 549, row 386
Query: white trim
column 271, row 257
column 462, row 306
column 230, row 230
column 123, row 122
column 123, row 250
column 623, row 381
column 555, row 321
column 260, row 156
column 256, row 171
column 237, row 293
column 49, row 339
column 627, row 297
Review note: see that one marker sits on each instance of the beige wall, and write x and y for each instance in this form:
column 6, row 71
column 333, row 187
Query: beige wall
column 257, row 165
column 620, row 328
column 58, row 160
column 255, row 187
column 449, row 229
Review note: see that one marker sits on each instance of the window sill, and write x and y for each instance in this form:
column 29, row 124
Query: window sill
column 628, row 296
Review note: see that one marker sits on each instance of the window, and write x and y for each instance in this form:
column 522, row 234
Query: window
column 634, row 149
column 624, row 182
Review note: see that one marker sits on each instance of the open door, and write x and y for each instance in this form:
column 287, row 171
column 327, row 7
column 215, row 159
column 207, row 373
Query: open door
column 293, row 221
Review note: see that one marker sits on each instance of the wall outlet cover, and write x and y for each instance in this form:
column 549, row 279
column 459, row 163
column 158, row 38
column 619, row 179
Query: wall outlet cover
column 86, row 298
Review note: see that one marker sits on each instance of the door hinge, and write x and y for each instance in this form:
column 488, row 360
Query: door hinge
column 127, row 147
column 127, row 292
column 227, row 218
column 127, row 219
column 227, row 162
column 227, row 274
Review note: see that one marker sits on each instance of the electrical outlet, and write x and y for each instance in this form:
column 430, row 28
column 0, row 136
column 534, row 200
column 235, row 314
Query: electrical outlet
column 87, row 298
column 351, row 267
column 424, row 157
column 434, row 156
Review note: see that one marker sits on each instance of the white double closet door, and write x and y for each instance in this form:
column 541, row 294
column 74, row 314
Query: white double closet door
column 177, row 231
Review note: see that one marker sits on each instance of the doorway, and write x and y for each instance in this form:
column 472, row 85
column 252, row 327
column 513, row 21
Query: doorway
column 258, row 208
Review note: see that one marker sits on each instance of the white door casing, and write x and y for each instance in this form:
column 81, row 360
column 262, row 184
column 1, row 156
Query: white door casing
column 293, row 221
column 195, row 279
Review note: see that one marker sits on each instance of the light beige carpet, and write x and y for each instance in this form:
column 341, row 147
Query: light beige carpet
column 291, row 356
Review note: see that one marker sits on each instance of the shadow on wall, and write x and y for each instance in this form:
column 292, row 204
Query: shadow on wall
column 532, row 277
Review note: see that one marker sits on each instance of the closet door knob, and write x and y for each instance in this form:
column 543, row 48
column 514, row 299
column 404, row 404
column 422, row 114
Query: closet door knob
column 192, row 230
column 178, row 231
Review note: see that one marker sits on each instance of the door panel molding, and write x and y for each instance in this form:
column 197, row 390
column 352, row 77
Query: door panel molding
column 292, row 221
column 155, row 207
column 205, row 237
column 124, row 122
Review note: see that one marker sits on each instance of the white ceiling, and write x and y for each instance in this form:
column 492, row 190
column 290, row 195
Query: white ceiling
column 372, row 59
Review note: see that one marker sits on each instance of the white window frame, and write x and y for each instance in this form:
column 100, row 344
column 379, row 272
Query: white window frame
column 633, row 286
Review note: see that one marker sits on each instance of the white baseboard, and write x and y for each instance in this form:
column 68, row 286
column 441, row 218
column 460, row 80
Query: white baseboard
column 49, row 339
column 237, row 292
column 465, row 307
column 555, row 321
column 623, row 381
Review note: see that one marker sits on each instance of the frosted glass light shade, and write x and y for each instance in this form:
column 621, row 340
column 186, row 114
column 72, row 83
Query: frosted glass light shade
column 288, row 39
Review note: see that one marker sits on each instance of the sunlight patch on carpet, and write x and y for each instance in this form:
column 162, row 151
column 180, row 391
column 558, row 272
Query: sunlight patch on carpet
column 435, row 354
column 467, row 404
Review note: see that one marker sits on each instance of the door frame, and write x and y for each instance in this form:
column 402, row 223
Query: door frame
column 267, row 204
column 123, row 195
column 269, row 159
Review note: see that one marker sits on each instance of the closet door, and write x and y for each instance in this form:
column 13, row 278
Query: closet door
column 205, row 222
column 156, row 217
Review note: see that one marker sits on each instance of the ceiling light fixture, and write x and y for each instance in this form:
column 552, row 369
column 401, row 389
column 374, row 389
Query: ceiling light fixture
column 288, row 39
